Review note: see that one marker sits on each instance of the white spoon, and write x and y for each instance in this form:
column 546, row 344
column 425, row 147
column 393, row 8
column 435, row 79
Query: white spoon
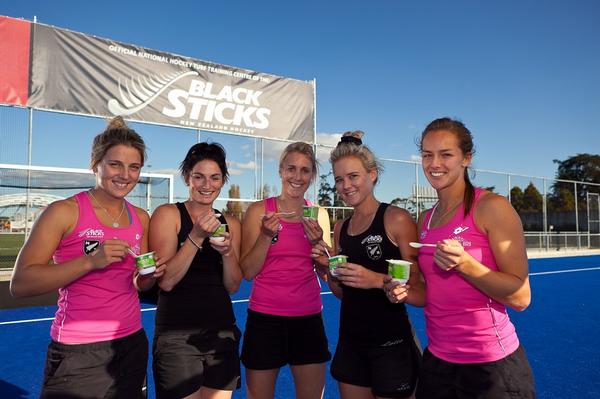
column 282, row 214
column 419, row 245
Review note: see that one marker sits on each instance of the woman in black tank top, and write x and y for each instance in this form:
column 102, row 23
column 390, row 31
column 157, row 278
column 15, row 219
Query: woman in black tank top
column 376, row 355
column 196, row 340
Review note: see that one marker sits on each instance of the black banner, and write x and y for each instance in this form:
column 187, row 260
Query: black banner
column 78, row 73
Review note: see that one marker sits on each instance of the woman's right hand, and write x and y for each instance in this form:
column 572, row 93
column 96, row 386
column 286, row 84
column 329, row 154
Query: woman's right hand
column 270, row 225
column 319, row 253
column 205, row 225
column 110, row 251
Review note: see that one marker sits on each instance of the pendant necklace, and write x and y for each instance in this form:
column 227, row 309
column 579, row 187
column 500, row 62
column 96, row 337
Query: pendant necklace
column 115, row 222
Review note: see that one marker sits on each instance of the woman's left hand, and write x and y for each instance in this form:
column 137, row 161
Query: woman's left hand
column 450, row 254
column 223, row 247
column 313, row 231
column 357, row 276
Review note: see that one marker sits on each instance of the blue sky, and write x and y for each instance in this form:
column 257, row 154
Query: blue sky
column 522, row 75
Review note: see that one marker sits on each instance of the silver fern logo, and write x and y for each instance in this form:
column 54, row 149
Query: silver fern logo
column 135, row 97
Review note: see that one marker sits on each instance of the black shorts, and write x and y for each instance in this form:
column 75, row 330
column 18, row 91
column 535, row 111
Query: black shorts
column 390, row 369
column 271, row 342
column 184, row 362
column 107, row 369
column 510, row 377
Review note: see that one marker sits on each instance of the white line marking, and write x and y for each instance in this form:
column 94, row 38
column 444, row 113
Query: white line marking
column 3, row 323
column 565, row 271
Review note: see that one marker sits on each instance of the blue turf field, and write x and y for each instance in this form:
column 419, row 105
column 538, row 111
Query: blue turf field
column 560, row 332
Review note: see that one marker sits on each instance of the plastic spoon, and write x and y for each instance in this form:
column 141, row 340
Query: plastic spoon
column 419, row 245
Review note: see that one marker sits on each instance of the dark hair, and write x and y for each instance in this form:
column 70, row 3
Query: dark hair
column 116, row 132
column 201, row 151
column 351, row 146
column 301, row 148
column 465, row 142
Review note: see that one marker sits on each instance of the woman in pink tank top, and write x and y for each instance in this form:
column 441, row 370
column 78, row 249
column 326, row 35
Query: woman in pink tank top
column 284, row 324
column 98, row 346
column 477, row 268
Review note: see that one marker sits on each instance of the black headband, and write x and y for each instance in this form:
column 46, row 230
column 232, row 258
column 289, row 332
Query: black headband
column 350, row 139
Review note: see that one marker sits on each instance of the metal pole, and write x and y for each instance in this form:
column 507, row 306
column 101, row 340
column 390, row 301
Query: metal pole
column 587, row 200
column 256, row 192
column 545, row 207
column 198, row 136
column 262, row 169
column 577, row 218
column 417, row 200
column 508, row 176
column 149, row 195
column 27, row 195
column 315, row 190
column 545, row 216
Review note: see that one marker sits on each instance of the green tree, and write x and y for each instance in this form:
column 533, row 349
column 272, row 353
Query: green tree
column 516, row 198
column 234, row 208
column 532, row 199
column 325, row 191
column 581, row 167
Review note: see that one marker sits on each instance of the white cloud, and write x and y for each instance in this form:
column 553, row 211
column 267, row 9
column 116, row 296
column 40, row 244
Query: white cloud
column 171, row 171
column 235, row 172
column 241, row 165
column 416, row 158
column 328, row 138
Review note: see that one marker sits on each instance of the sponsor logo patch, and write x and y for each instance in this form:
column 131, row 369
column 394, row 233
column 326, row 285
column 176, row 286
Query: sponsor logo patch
column 90, row 246
column 374, row 251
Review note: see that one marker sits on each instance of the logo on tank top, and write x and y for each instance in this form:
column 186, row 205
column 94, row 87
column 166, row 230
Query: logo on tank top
column 457, row 237
column 91, row 233
column 460, row 229
column 373, row 246
column 90, row 246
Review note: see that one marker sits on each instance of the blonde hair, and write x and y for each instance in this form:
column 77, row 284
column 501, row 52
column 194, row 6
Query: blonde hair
column 116, row 132
column 351, row 146
column 304, row 149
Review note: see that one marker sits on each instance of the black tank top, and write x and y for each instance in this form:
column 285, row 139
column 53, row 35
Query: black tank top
column 200, row 299
column 366, row 314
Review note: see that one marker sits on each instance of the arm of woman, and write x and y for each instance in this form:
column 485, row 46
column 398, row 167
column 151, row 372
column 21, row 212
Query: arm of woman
column 232, row 274
column 333, row 282
column 257, row 232
column 510, row 284
column 403, row 229
column 145, row 282
column 34, row 275
column 164, row 227
column 323, row 219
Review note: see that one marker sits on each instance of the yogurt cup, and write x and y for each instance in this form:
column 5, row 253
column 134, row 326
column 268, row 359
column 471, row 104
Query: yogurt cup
column 311, row 212
column 399, row 270
column 217, row 235
column 145, row 263
column 334, row 261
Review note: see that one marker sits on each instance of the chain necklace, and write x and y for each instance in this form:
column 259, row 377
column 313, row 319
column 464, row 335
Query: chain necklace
column 115, row 221
column 440, row 217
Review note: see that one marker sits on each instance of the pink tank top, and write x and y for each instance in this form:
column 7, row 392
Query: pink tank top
column 103, row 304
column 287, row 285
column 463, row 324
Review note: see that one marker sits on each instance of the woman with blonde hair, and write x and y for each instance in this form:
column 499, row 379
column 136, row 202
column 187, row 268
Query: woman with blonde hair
column 376, row 356
column 98, row 346
column 284, row 324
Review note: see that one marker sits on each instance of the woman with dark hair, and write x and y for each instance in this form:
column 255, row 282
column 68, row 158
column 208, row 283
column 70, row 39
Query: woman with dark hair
column 376, row 356
column 195, row 350
column 98, row 347
column 477, row 267
column 284, row 324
